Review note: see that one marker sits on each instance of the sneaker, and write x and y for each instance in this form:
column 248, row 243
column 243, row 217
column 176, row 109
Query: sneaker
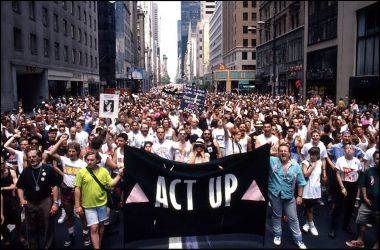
column 306, row 228
column 86, row 240
column 62, row 217
column 314, row 231
column 301, row 245
column 277, row 240
column 70, row 241
column 368, row 225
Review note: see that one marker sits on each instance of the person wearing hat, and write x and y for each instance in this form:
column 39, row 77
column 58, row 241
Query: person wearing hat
column 199, row 155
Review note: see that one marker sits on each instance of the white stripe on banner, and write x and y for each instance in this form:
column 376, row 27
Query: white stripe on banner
column 175, row 243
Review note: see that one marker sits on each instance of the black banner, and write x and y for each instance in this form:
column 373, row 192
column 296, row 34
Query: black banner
column 193, row 99
column 170, row 199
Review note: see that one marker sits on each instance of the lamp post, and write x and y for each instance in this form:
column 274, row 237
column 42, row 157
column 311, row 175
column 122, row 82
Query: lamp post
column 274, row 75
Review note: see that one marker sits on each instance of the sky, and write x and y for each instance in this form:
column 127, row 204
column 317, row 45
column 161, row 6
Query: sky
column 169, row 12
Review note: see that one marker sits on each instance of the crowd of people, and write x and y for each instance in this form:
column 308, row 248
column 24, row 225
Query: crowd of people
column 64, row 160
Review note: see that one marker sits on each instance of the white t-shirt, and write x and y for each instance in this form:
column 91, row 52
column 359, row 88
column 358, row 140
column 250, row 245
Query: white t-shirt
column 82, row 138
column 197, row 132
column 262, row 139
column 244, row 144
column 368, row 156
column 119, row 157
column 20, row 160
column 169, row 134
column 164, row 150
column 187, row 150
column 312, row 189
column 133, row 139
column 218, row 135
column 233, row 148
column 309, row 145
column 349, row 169
column 141, row 139
column 70, row 169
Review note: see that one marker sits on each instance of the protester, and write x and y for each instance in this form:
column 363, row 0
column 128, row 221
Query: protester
column 35, row 185
column 90, row 196
column 199, row 155
column 281, row 194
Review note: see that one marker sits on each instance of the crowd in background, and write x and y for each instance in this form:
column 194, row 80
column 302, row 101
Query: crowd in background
column 49, row 157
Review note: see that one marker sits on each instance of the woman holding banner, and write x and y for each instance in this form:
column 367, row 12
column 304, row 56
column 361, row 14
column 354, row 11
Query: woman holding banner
column 282, row 179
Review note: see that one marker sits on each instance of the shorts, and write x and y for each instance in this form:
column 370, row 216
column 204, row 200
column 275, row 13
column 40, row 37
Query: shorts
column 95, row 215
column 366, row 215
column 309, row 203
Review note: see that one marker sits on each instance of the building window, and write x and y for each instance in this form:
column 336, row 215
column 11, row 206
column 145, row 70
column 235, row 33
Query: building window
column 245, row 16
column 253, row 55
column 253, row 4
column 85, row 38
column 90, row 20
column 32, row 10
column 244, row 55
column 253, row 42
column 46, row 47
column 245, row 29
column 45, row 16
column 64, row 27
column 368, row 33
column 66, row 53
column 253, row 16
column 55, row 22
column 245, row 4
column 86, row 60
column 72, row 31
column 322, row 21
column 95, row 6
column 56, row 51
column 64, row 5
column 94, row 25
column 17, row 45
column 85, row 17
column 91, row 61
column 80, row 57
column 16, row 6
column 73, row 52
column 96, row 62
column 79, row 35
column 72, row 8
column 90, row 41
column 245, row 42
column 96, row 44
column 79, row 12
column 33, row 44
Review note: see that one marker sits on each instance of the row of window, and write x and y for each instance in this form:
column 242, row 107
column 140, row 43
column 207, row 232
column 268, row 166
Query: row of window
column 245, row 42
column 77, row 57
column 253, row 16
column 45, row 14
column 245, row 4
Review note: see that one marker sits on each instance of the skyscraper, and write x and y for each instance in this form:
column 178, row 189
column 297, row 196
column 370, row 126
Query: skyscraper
column 190, row 15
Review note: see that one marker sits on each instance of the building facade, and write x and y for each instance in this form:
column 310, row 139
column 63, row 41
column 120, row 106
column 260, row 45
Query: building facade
column 51, row 49
column 190, row 15
column 341, row 49
column 215, row 37
column 280, row 64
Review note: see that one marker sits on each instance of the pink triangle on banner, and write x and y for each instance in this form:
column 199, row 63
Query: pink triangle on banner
column 253, row 193
column 136, row 195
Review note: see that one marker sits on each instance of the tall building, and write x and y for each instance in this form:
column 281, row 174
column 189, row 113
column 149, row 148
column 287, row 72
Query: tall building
column 215, row 37
column 51, row 48
column 190, row 15
column 156, row 45
column 147, row 7
column 164, row 65
column 279, row 52
column 140, row 37
column 342, row 49
column 117, row 42
column 179, row 52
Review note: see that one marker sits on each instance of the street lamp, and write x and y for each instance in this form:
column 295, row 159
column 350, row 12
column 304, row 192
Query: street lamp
column 252, row 28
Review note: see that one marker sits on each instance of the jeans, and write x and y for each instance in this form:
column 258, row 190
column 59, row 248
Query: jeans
column 290, row 208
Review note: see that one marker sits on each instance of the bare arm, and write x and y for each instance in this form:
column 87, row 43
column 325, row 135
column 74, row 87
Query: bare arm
column 77, row 197
column 249, row 144
column 117, row 178
column 14, row 181
column 20, row 193
column 10, row 140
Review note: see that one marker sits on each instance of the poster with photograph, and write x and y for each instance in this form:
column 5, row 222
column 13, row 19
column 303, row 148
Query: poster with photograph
column 109, row 105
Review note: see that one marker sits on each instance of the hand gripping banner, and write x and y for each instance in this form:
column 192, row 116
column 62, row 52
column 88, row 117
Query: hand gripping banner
column 170, row 199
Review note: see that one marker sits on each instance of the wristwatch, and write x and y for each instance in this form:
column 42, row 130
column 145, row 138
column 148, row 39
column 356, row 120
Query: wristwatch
column 56, row 202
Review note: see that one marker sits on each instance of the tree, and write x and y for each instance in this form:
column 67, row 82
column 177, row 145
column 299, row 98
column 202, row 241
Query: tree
column 165, row 79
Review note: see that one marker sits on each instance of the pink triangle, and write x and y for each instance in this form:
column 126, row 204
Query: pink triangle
column 136, row 195
column 253, row 193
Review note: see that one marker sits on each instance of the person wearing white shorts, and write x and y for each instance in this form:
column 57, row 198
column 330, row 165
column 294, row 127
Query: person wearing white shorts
column 96, row 215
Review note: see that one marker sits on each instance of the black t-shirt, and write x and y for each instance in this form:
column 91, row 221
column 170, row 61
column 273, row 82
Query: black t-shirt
column 45, row 178
column 326, row 140
column 211, row 149
column 370, row 180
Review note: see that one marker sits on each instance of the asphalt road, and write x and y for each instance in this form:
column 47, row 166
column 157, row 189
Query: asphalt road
column 321, row 220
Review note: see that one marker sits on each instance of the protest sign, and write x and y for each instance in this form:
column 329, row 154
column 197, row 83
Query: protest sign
column 170, row 199
column 109, row 105
column 193, row 99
